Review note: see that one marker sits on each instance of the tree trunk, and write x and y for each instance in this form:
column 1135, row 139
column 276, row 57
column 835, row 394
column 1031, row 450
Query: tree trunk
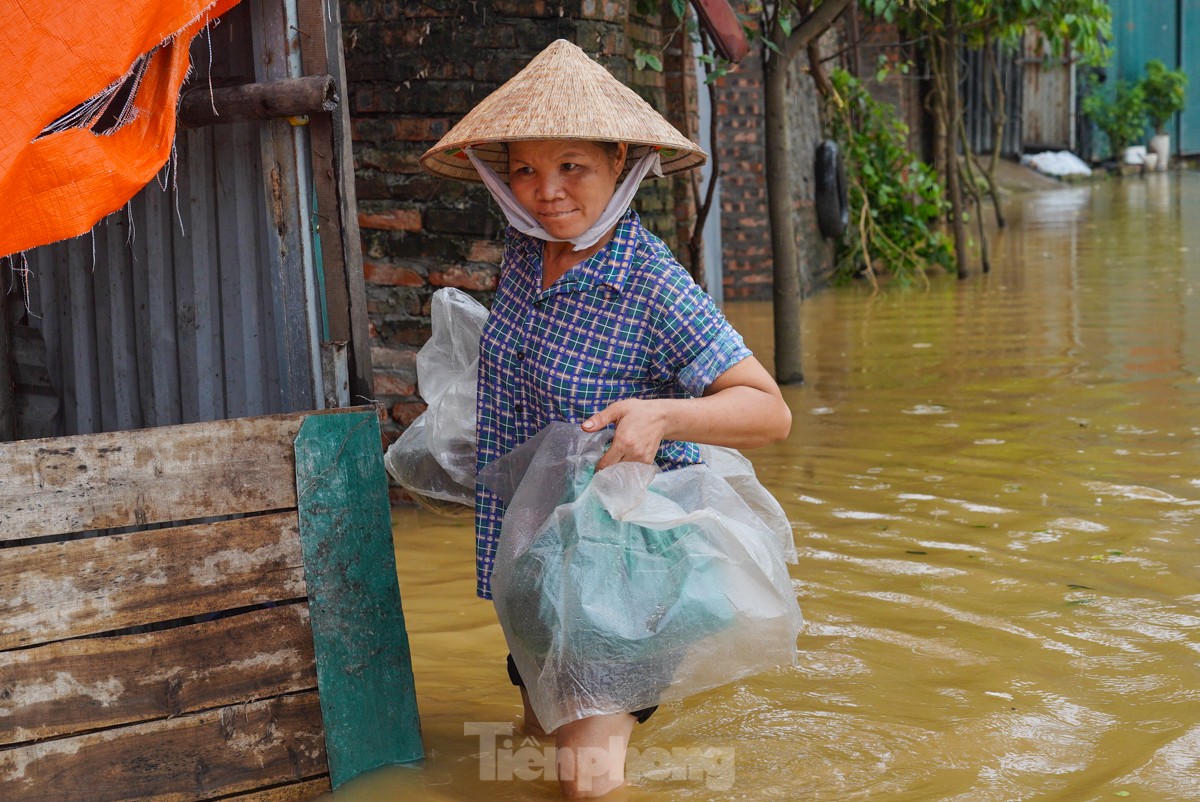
column 953, row 114
column 997, row 106
column 787, row 291
column 784, row 256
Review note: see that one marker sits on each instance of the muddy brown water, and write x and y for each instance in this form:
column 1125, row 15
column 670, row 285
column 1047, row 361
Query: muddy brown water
column 995, row 496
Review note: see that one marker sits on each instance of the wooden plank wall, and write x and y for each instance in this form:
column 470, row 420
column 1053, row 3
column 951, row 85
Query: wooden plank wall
column 169, row 663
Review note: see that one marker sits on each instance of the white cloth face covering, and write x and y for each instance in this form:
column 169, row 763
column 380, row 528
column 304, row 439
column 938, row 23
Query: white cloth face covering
column 526, row 223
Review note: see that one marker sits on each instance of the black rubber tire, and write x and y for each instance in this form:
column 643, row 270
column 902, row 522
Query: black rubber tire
column 832, row 198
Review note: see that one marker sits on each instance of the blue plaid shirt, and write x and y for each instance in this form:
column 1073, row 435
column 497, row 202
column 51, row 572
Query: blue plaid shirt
column 627, row 323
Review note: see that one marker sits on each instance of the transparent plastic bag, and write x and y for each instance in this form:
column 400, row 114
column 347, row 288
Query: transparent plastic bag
column 434, row 458
column 634, row 586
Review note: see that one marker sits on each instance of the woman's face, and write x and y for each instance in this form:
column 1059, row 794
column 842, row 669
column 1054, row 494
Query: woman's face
column 564, row 183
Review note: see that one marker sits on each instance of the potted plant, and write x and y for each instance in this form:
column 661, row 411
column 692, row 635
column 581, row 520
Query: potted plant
column 1121, row 116
column 1164, row 95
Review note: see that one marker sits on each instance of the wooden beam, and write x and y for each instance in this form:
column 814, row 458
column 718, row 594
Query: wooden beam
column 98, row 481
column 304, row 791
column 89, row 683
column 364, row 668
column 200, row 756
column 54, row 591
column 270, row 100
column 333, row 174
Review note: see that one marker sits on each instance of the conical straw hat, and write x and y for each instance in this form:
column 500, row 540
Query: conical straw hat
column 561, row 94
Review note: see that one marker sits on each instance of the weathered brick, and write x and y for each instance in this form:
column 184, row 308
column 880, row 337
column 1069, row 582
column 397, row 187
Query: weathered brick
column 389, row 160
column 485, row 251
column 466, row 278
column 388, row 383
column 371, row 185
column 477, row 222
column 393, row 302
column 384, row 273
column 405, row 412
column 524, row 8
column 391, row 219
column 401, row 360
column 404, row 331
column 384, row 245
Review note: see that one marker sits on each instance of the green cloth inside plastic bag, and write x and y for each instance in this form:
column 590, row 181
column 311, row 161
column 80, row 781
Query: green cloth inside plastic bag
column 630, row 591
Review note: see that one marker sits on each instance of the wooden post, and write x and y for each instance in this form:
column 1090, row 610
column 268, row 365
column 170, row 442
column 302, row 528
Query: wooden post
column 8, row 391
column 337, row 206
column 288, row 97
column 364, row 670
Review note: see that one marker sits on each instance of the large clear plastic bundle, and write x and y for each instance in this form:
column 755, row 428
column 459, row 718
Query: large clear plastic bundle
column 434, row 458
column 626, row 588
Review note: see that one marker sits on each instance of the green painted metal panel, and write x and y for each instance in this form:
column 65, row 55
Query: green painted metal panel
column 1189, row 57
column 364, row 671
column 1143, row 31
column 1168, row 30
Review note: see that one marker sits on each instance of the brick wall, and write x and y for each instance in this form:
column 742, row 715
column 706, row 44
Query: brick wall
column 745, row 226
column 414, row 69
column 880, row 41
column 745, row 229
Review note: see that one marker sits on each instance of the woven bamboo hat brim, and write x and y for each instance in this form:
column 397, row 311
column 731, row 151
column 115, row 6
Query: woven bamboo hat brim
column 560, row 94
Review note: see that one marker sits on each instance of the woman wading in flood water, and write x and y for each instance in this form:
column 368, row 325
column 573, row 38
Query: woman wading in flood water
column 594, row 322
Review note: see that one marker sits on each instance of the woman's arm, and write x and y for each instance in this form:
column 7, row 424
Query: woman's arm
column 742, row 408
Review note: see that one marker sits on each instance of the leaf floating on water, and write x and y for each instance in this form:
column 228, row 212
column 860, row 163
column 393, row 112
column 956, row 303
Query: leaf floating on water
column 1122, row 793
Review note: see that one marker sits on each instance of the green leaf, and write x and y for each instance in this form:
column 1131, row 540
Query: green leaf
column 643, row 59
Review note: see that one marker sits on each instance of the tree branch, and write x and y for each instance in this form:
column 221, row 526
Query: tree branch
column 812, row 26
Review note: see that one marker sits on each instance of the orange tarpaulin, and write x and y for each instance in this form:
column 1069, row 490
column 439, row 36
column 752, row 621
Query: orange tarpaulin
column 71, row 66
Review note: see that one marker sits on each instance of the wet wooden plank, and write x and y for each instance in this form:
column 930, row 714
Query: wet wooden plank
column 199, row 756
column 299, row 792
column 363, row 664
column 99, row 481
column 53, row 591
column 86, row 684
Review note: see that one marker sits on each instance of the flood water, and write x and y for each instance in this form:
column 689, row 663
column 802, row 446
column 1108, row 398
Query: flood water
column 996, row 501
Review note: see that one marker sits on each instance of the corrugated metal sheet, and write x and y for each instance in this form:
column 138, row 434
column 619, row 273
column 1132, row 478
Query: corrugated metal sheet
column 196, row 302
column 980, row 92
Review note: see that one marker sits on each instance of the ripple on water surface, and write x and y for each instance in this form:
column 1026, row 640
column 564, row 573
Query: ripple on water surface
column 993, row 486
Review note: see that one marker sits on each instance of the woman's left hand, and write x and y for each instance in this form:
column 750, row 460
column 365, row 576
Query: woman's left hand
column 741, row 408
column 640, row 426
